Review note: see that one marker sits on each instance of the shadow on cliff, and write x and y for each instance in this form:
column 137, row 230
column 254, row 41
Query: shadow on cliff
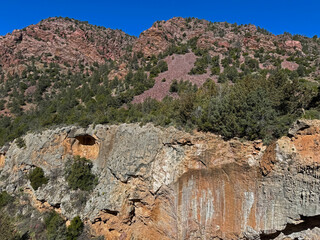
column 308, row 223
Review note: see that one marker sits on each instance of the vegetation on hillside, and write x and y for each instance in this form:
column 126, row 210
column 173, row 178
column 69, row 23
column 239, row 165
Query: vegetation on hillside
column 75, row 228
column 37, row 178
column 56, row 227
column 79, row 175
column 7, row 228
column 251, row 99
column 259, row 104
column 32, row 224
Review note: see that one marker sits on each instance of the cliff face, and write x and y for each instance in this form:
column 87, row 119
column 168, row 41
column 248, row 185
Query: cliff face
column 159, row 183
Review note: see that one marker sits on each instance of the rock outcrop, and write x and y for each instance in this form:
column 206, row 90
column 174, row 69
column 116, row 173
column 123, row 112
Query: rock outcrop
column 157, row 183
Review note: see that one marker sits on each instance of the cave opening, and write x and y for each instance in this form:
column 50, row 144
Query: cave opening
column 305, row 224
column 86, row 140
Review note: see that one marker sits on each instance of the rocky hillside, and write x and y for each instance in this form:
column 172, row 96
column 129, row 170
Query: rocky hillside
column 222, row 51
column 64, row 41
column 180, row 72
column 71, row 42
column 218, row 36
column 230, row 41
column 155, row 183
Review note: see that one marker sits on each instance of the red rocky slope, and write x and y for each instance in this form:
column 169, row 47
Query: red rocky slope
column 64, row 41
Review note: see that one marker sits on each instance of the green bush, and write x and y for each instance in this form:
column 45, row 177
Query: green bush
column 37, row 178
column 176, row 49
column 311, row 114
column 201, row 65
column 231, row 73
column 5, row 198
column 162, row 66
column 222, row 78
column 79, row 175
column 20, row 142
column 252, row 64
column 182, row 86
column 55, row 226
column 215, row 71
column 75, row 228
column 174, row 86
column 7, row 229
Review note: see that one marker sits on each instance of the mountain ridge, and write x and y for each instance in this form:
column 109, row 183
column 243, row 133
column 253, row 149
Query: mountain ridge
column 141, row 43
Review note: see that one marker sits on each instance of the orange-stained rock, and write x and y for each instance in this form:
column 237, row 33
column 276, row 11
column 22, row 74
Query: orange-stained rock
column 76, row 148
column 268, row 159
column 217, row 202
column 308, row 148
column 2, row 160
column 41, row 206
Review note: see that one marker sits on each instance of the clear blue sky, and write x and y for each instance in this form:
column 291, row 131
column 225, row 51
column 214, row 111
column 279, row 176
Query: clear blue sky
column 296, row 17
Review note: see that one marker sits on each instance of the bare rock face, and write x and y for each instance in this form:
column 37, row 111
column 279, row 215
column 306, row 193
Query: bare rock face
column 293, row 44
column 292, row 66
column 157, row 183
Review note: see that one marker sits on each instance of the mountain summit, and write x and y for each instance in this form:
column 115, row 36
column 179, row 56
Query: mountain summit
column 64, row 41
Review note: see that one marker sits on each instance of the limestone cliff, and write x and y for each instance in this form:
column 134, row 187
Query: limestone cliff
column 157, row 183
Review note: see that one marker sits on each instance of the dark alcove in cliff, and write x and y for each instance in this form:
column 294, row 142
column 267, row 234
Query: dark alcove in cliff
column 86, row 140
column 307, row 223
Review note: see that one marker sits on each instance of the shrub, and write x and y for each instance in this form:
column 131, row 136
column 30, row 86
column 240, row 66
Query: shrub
column 215, row 61
column 231, row 73
column 7, row 229
column 79, row 175
column 20, row 142
column 201, row 64
column 222, row 78
column 37, row 178
column 215, row 71
column 301, row 71
column 55, row 226
column 163, row 66
column 5, row 198
column 252, row 64
column 154, row 72
column 174, row 86
column 75, row 228
column 311, row 114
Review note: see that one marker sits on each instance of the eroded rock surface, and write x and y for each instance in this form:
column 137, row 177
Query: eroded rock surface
column 157, row 183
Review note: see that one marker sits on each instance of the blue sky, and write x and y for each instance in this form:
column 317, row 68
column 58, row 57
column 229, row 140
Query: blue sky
column 133, row 17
